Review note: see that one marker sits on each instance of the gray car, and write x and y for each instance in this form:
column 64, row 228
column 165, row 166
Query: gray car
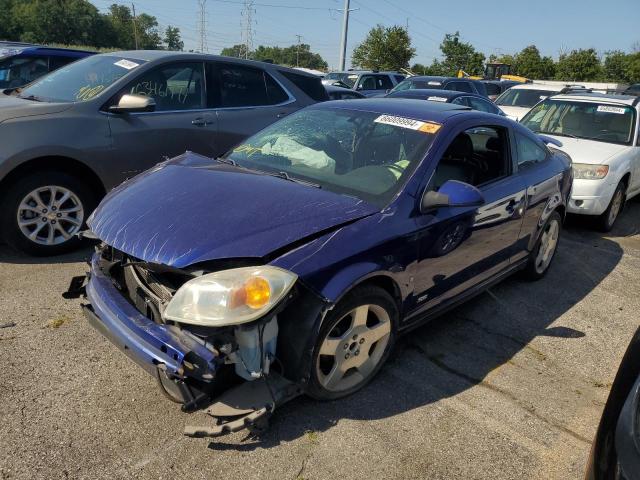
column 73, row 135
column 369, row 83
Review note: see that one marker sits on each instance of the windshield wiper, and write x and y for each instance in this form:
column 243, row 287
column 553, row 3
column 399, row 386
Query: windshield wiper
column 288, row 177
column 228, row 161
column 30, row 97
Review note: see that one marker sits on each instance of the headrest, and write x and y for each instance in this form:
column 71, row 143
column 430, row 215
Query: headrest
column 461, row 147
column 495, row 144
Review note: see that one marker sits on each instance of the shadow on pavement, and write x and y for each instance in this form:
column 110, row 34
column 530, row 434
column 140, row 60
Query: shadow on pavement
column 458, row 350
column 8, row 255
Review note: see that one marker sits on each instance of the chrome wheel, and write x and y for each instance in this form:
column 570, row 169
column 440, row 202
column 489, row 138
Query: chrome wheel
column 354, row 347
column 548, row 244
column 614, row 209
column 50, row 215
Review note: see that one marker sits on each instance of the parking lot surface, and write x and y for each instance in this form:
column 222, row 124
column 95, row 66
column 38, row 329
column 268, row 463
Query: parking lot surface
column 510, row 385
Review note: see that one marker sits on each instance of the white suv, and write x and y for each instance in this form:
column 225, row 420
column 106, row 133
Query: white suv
column 600, row 133
column 518, row 100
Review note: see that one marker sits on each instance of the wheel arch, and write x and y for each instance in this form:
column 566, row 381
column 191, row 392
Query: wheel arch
column 64, row 164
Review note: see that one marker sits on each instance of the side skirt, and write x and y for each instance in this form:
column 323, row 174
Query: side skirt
column 418, row 320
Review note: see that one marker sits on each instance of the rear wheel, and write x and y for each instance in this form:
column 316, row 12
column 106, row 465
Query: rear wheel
column 43, row 212
column 353, row 344
column 543, row 253
column 606, row 221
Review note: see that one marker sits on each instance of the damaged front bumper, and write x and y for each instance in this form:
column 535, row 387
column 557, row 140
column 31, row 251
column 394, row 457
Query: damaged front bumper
column 161, row 350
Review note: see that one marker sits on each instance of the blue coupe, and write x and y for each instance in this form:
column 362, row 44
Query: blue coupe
column 291, row 264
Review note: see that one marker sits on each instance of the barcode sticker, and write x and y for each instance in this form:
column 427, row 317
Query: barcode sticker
column 126, row 64
column 608, row 109
column 409, row 123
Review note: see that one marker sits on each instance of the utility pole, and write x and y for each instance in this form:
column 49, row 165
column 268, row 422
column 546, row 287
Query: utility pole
column 202, row 26
column 135, row 28
column 345, row 28
column 248, row 27
column 298, row 51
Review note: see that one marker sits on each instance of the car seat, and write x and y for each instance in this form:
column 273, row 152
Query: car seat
column 455, row 162
column 619, row 127
column 571, row 123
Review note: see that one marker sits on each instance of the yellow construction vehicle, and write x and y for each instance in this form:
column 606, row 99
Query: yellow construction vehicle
column 495, row 71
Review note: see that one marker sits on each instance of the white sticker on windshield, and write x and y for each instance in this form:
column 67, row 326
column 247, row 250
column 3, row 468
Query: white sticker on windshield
column 608, row 109
column 434, row 83
column 437, row 99
column 409, row 123
column 127, row 64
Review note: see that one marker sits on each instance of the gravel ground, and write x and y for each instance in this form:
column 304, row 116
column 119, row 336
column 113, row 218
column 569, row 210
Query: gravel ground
column 511, row 385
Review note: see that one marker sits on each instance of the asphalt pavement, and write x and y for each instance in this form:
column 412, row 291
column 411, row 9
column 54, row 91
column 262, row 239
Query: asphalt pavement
column 509, row 386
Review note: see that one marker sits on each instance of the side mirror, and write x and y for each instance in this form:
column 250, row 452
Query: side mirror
column 130, row 103
column 452, row 194
column 387, row 91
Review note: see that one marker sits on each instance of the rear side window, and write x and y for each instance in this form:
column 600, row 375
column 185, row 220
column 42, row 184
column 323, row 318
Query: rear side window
column 309, row 85
column 529, row 152
column 459, row 87
column 241, row 86
column 57, row 62
column 481, row 105
column 383, row 82
column 481, row 88
column 399, row 78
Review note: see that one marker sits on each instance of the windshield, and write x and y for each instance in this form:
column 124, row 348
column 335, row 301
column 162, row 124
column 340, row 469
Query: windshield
column 82, row 80
column 362, row 154
column 589, row 120
column 522, row 97
column 18, row 71
column 346, row 78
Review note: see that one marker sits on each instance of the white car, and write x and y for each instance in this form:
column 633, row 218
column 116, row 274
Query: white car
column 519, row 99
column 600, row 134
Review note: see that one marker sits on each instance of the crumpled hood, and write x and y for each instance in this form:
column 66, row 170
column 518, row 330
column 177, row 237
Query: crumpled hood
column 588, row 151
column 13, row 107
column 193, row 209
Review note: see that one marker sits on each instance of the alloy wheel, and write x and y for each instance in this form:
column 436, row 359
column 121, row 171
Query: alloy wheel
column 353, row 348
column 548, row 244
column 50, row 215
column 616, row 204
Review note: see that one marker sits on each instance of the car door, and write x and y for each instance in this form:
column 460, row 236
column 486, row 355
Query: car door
column 181, row 121
column 248, row 99
column 542, row 188
column 462, row 247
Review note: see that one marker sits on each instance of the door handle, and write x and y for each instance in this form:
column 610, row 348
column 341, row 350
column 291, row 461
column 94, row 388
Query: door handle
column 514, row 206
column 198, row 121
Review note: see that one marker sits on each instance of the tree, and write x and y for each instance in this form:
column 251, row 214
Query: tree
column 384, row 49
column 237, row 51
column 579, row 65
column 458, row 55
column 295, row 55
column 172, row 39
column 530, row 64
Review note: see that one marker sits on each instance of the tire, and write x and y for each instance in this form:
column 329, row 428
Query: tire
column 539, row 262
column 354, row 342
column 30, row 199
column 607, row 220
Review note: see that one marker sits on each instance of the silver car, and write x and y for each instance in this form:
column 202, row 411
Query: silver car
column 73, row 135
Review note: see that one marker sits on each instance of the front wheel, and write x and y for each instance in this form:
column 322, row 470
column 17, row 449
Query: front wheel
column 545, row 249
column 43, row 212
column 606, row 221
column 354, row 342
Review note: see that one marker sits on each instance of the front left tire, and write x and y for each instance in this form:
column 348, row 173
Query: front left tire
column 354, row 342
column 545, row 249
column 43, row 212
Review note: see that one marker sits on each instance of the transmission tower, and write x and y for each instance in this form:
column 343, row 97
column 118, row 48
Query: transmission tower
column 202, row 26
column 247, row 27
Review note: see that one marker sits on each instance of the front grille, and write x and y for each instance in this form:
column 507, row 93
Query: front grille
column 148, row 290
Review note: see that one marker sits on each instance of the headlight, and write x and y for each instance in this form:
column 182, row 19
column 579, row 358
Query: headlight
column 229, row 297
column 585, row 171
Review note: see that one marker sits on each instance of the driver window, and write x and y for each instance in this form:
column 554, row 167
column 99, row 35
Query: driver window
column 367, row 82
column 477, row 156
column 173, row 87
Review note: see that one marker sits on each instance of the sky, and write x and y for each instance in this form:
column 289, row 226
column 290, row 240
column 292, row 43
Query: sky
column 496, row 26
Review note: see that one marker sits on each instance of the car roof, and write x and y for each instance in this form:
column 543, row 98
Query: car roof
column 17, row 48
column 543, row 86
column 599, row 97
column 400, row 107
column 433, row 92
column 152, row 55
